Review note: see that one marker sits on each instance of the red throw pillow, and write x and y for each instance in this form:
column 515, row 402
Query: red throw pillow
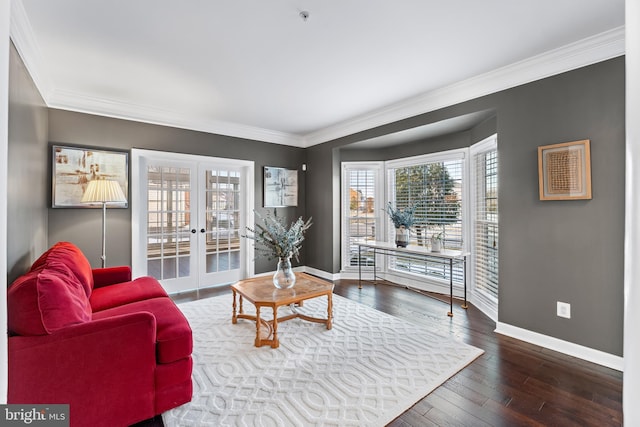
column 46, row 300
column 69, row 254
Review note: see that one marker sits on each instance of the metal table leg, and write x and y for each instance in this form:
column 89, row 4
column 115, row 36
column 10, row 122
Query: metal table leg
column 465, row 306
column 450, row 313
column 359, row 267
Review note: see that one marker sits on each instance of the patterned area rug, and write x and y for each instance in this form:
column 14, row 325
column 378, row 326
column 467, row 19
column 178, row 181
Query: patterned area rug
column 365, row 371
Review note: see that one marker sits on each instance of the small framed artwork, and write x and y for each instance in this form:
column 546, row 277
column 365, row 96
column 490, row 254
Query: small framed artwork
column 564, row 171
column 74, row 167
column 280, row 187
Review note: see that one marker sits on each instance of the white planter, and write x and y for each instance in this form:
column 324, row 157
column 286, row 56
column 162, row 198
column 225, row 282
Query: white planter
column 402, row 237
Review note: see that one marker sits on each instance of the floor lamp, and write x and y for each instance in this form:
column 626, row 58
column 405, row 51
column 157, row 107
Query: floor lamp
column 104, row 191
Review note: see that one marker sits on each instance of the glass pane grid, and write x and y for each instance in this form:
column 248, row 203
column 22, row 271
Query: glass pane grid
column 168, row 222
column 362, row 218
column 223, row 220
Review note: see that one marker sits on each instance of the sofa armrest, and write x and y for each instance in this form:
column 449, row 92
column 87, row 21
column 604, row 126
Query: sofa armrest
column 111, row 276
column 104, row 369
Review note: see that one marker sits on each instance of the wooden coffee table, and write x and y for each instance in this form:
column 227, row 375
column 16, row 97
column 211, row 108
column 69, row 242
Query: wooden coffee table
column 262, row 293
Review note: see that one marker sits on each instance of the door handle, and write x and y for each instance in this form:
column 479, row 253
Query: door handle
column 193, row 230
column 202, row 230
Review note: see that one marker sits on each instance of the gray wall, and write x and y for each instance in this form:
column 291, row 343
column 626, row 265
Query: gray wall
column 82, row 226
column 453, row 141
column 550, row 251
column 27, row 190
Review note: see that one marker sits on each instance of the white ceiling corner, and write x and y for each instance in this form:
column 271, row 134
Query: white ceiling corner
column 585, row 52
column 37, row 47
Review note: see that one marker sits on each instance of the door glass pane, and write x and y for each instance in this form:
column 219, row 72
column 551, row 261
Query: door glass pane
column 222, row 219
column 184, row 268
column 168, row 222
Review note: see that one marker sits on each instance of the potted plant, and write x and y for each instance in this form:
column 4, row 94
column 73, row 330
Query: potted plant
column 403, row 220
column 276, row 240
column 436, row 242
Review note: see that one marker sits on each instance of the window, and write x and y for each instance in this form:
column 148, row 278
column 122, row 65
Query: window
column 435, row 185
column 456, row 195
column 361, row 209
column 485, row 225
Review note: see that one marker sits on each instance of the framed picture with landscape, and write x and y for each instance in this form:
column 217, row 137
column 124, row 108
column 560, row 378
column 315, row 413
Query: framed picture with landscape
column 564, row 171
column 74, row 167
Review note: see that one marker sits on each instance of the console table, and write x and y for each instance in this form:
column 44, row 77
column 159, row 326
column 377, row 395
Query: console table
column 445, row 256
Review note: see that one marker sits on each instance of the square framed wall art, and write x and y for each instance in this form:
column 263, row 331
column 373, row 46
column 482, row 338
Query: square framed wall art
column 74, row 167
column 564, row 171
column 280, row 187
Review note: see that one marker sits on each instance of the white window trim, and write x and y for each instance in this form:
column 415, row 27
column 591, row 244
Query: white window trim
column 430, row 283
column 485, row 303
column 345, row 266
column 468, row 203
column 441, row 156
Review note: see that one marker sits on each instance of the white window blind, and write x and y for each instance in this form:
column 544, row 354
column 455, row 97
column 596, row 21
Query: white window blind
column 434, row 184
column 485, row 224
column 361, row 209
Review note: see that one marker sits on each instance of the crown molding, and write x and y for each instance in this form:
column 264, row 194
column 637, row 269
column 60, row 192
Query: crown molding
column 21, row 34
column 71, row 101
column 600, row 47
column 603, row 46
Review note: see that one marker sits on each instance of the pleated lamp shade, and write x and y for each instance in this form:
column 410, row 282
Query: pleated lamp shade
column 103, row 191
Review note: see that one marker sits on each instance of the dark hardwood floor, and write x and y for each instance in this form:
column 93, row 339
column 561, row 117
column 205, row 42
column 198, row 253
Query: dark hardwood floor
column 512, row 384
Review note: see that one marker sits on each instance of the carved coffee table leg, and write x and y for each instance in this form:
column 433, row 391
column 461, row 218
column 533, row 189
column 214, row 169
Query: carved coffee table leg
column 234, row 318
column 329, row 311
column 275, row 343
column 258, row 341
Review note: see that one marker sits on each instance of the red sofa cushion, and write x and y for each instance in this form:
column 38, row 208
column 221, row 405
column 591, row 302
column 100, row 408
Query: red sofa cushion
column 173, row 333
column 110, row 276
column 70, row 255
column 139, row 289
column 46, row 300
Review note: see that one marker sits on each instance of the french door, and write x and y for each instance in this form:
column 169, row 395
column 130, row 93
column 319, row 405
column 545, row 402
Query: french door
column 191, row 214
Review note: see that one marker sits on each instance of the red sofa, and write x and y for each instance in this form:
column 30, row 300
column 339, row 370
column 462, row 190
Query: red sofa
column 117, row 351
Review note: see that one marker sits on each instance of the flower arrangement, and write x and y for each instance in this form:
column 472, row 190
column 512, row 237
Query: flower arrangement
column 276, row 240
column 401, row 217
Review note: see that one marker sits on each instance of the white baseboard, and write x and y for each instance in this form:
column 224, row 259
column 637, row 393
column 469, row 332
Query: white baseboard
column 322, row 273
column 566, row 347
column 561, row 346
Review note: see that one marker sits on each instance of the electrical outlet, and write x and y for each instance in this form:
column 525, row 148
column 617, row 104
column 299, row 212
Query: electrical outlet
column 564, row 310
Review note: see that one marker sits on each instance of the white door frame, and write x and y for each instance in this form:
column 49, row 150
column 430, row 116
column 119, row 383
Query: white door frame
column 139, row 158
column 5, row 12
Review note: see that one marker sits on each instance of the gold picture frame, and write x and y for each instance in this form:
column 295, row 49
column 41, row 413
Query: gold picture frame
column 564, row 171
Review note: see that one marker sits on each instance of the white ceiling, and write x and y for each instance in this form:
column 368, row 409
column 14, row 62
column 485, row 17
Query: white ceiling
column 256, row 69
